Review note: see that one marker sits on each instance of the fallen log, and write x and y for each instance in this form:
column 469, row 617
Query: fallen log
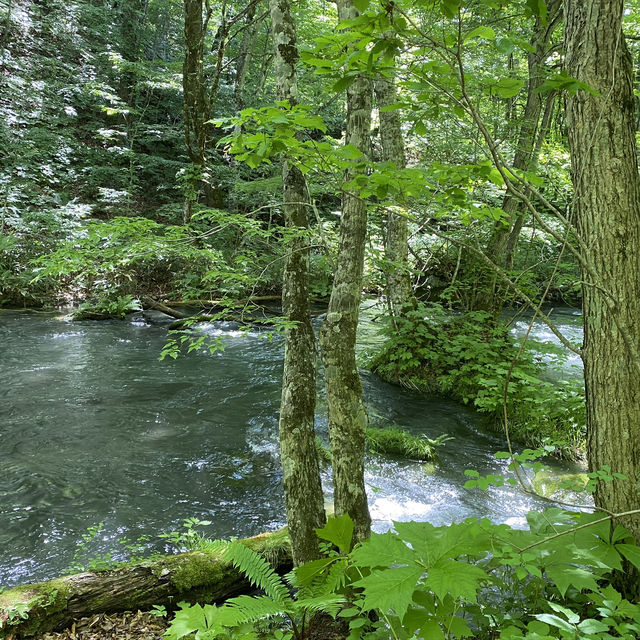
column 233, row 303
column 196, row 576
column 150, row 303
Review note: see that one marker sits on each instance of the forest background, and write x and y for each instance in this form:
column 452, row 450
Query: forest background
column 146, row 147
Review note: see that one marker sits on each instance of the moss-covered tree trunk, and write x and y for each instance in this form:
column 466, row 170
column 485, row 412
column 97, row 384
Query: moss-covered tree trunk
column 300, row 469
column 607, row 212
column 399, row 289
column 347, row 415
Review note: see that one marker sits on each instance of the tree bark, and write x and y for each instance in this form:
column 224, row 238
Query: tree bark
column 304, row 499
column 248, row 37
column 399, row 289
column 347, row 415
column 197, row 576
column 525, row 157
column 195, row 98
column 607, row 212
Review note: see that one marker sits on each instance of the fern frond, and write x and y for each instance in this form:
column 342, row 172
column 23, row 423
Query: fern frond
column 337, row 577
column 244, row 609
column 329, row 604
column 258, row 571
column 206, row 544
column 318, row 580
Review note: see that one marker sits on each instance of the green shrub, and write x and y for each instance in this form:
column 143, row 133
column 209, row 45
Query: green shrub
column 468, row 357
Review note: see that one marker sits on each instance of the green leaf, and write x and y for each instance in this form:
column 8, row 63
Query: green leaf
column 505, row 45
column 338, row 531
column 556, row 621
column 571, row 617
column 390, row 589
column 486, row 33
column 538, row 8
column 457, row 579
column 631, row 552
column 361, row 5
column 563, row 82
column 507, row 87
column 565, row 576
column 420, row 128
column 459, row 628
column 593, row 626
column 343, row 83
column 382, row 550
column 308, row 572
column 432, row 630
column 450, row 7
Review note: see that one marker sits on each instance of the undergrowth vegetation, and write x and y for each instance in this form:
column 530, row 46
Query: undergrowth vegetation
column 470, row 579
column 469, row 357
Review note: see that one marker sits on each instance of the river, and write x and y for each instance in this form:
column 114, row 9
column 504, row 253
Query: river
column 96, row 430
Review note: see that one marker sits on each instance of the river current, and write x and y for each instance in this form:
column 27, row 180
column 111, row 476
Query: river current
column 95, row 429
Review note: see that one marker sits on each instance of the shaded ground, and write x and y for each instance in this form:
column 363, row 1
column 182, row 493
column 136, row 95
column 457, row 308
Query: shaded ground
column 123, row 626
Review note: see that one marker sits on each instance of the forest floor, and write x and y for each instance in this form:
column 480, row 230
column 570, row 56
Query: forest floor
column 123, row 626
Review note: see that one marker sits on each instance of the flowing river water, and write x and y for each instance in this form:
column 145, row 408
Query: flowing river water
column 94, row 429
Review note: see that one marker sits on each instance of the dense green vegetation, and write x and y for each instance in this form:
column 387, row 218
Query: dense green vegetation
column 472, row 579
column 477, row 362
column 457, row 160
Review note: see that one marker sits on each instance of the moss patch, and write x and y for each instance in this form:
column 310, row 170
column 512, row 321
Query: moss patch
column 29, row 606
column 396, row 441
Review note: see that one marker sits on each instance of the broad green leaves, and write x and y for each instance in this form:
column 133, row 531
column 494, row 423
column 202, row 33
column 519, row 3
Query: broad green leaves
column 262, row 135
column 383, row 550
column 459, row 580
column 563, row 82
column 390, row 589
column 538, row 8
column 431, row 582
column 338, row 531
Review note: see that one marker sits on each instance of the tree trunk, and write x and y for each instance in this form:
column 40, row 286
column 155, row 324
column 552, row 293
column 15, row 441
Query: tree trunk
column 197, row 576
column 248, row 37
column 195, row 99
column 347, row 415
column 304, row 498
column 525, row 156
column 607, row 212
column 397, row 272
column 543, row 131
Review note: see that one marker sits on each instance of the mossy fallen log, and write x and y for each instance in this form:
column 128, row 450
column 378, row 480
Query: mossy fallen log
column 196, row 576
column 150, row 303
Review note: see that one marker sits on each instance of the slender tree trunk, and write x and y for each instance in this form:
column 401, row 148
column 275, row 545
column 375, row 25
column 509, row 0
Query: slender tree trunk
column 195, row 98
column 543, row 131
column 304, row 498
column 525, row 157
column 607, row 213
column 244, row 55
column 399, row 289
column 347, row 415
